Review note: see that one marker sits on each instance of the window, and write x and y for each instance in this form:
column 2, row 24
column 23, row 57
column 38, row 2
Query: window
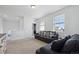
column 42, row 26
column 59, row 22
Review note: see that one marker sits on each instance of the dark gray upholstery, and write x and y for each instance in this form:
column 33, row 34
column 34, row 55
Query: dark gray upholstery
column 72, row 45
column 47, row 36
column 46, row 50
column 57, row 45
column 65, row 46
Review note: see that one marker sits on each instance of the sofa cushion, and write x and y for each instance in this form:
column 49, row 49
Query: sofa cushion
column 46, row 50
column 72, row 45
column 57, row 45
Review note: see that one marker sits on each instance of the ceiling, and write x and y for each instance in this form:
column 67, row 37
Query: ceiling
column 14, row 11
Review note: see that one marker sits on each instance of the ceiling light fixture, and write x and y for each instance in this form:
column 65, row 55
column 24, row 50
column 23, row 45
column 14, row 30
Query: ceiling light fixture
column 33, row 6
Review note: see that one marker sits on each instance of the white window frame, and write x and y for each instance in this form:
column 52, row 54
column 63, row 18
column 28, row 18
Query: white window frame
column 54, row 24
column 42, row 26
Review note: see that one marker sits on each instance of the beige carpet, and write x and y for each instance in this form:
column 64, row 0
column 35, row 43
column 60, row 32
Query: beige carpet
column 23, row 46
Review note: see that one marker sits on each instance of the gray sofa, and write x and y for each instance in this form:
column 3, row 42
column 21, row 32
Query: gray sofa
column 68, row 45
column 46, row 36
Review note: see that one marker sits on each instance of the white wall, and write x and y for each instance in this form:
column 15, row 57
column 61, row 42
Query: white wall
column 15, row 28
column 28, row 27
column 48, row 20
column 20, row 29
column 10, row 25
column 71, row 20
column 1, row 26
column 49, row 23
